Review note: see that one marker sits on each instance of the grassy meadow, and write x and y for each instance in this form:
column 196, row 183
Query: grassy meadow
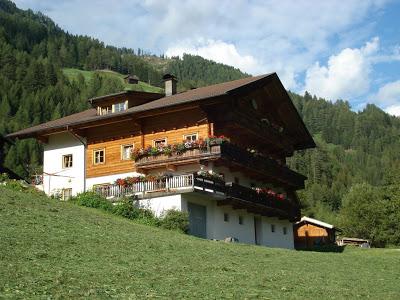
column 51, row 249
column 72, row 74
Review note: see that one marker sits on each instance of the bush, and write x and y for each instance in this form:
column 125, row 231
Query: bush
column 126, row 208
column 4, row 177
column 175, row 220
column 91, row 199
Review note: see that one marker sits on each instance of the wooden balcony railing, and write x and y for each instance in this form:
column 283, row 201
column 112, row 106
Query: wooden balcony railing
column 232, row 153
column 193, row 154
column 240, row 192
column 167, row 184
column 197, row 183
column 265, row 165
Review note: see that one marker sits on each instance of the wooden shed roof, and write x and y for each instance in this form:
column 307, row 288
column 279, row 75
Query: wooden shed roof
column 315, row 222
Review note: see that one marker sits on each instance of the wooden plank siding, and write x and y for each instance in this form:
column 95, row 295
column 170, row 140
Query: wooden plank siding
column 113, row 163
column 309, row 235
column 140, row 133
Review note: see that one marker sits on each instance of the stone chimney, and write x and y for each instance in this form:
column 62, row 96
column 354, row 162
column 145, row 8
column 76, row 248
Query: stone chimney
column 170, row 84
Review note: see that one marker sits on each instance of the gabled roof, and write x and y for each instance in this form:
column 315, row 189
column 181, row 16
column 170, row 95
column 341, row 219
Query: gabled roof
column 157, row 101
column 199, row 93
column 315, row 222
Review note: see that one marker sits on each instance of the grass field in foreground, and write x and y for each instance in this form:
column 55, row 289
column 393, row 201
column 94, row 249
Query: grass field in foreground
column 57, row 249
column 72, row 74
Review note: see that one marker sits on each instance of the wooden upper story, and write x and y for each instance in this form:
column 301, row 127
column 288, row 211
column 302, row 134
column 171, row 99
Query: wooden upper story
column 255, row 114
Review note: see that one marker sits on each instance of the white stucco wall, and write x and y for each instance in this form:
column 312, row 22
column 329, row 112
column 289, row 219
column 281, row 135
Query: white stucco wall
column 55, row 177
column 277, row 238
column 161, row 204
column 218, row 229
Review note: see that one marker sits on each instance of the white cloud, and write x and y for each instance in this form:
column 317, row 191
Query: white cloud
column 259, row 36
column 346, row 74
column 218, row 51
column 388, row 97
column 393, row 110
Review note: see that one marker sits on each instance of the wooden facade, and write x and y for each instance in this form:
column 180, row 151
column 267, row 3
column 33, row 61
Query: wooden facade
column 172, row 127
column 308, row 235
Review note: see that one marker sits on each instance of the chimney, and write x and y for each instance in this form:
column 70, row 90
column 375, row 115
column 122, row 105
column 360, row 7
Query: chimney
column 170, row 84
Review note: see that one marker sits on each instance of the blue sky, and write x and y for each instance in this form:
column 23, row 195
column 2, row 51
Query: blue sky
column 335, row 49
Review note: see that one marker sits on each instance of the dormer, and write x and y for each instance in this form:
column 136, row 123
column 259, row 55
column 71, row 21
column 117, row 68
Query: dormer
column 122, row 101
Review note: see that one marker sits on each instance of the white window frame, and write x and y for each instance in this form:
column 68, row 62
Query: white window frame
column 158, row 140
column 64, row 166
column 191, row 134
column 122, row 151
column 65, row 197
column 124, row 103
column 94, row 156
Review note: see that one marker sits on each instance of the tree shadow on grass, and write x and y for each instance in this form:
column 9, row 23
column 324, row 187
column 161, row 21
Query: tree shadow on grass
column 324, row 248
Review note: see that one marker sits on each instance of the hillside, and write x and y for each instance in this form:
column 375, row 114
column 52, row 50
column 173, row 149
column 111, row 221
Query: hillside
column 56, row 249
column 73, row 74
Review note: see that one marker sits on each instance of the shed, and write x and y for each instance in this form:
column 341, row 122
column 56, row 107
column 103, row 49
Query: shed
column 309, row 232
column 131, row 79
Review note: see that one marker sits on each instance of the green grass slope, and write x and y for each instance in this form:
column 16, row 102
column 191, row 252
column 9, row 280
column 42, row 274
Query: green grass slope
column 72, row 74
column 56, row 249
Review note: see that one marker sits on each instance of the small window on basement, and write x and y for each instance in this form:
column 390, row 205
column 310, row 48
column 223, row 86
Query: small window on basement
column 190, row 137
column 67, row 161
column 119, row 107
column 226, row 217
column 284, row 230
column 98, row 157
column 126, row 151
column 241, row 220
column 272, row 228
column 160, row 142
column 66, row 194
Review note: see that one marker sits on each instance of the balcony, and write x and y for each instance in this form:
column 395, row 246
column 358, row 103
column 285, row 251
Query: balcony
column 262, row 165
column 237, row 196
column 192, row 155
column 240, row 197
column 265, row 168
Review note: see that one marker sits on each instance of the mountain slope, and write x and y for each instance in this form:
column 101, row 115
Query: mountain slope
column 73, row 74
column 56, row 249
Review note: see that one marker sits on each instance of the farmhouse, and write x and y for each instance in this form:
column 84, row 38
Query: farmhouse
column 217, row 152
column 309, row 232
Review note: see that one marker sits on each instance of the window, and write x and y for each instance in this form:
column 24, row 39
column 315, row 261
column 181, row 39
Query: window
column 66, row 194
column 284, row 230
column 160, row 142
column 236, row 180
column 104, row 110
column 226, row 217
column 272, row 228
column 98, row 157
column 254, row 103
column 240, row 220
column 67, row 161
column 190, row 137
column 126, row 152
column 119, row 107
